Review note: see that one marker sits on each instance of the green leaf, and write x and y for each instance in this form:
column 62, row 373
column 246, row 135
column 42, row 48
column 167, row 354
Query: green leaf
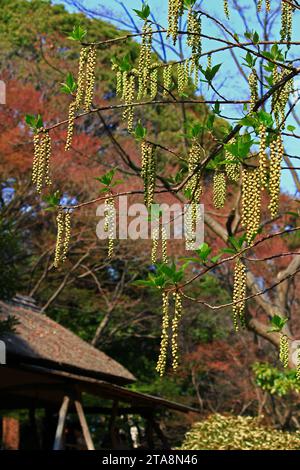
column 210, row 73
column 78, row 33
column 216, row 109
column 216, row 258
column 204, row 251
column 144, row 12
column 241, row 146
column 140, row 132
column 142, row 283
column 107, row 178
column 34, row 122
column 70, row 85
column 277, row 323
column 52, row 200
column 188, row 4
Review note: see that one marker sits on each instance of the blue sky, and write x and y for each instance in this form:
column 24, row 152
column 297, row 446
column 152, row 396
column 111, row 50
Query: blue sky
column 230, row 82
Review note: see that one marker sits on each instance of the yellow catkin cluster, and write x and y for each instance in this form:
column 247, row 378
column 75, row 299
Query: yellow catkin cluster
column 219, row 189
column 194, row 186
column 153, row 83
column 110, row 224
column 148, row 172
column 90, row 76
column 86, row 77
column 284, row 350
column 155, row 243
column 144, row 67
column 276, row 155
column 175, row 11
column 194, row 161
column 175, row 328
column 251, row 202
column 281, row 96
column 119, row 85
column 232, row 169
column 63, row 221
column 263, row 158
column 167, row 79
column 162, row 360
column 41, row 160
column 298, row 365
column 209, row 61
column 287, row 11
column 128, row 98
column 182, row 76
column 194, row 35
column 164, row 246
column 253, row 85
column 85, row 88
column 268, row 5
column 226, row 8
column 81, row 78
column 71, row 121
column 239, row 293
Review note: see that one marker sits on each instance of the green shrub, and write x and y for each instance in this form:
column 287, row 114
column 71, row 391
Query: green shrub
column 220, row 432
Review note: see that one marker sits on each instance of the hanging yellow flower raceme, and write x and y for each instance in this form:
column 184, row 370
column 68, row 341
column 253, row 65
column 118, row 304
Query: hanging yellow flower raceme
column 239, row 293
column 284, row 350
column 155, row 241
column 226, row 9
column 232, row 169
column 63, row 221
column 175, row 328
column 276, row 155
column 41, row 160
column 175, row 11
column 148, row 172
column 128, row 97
column 90, row 76
column 281, row 96
column 219, row 189
column 71, row 121
column 153, row 83
column 144, row 67
column 194, row 187
column 298, row 365
column 157, row 234
column 263, row 159
column 194, row 30
column 182, row 76
column 287, row 11
column 167, row 79
column 162, row 360
column 251, row 202
column 110, row 223
column 81, row 78
column 253, row 84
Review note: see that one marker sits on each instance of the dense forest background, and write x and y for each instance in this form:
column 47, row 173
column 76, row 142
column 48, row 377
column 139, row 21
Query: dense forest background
column 219, row 371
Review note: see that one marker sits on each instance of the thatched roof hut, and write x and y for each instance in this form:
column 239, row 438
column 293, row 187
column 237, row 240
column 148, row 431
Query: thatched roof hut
column 41, row 341
column 49, row 367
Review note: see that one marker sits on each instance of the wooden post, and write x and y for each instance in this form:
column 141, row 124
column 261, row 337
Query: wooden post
column 149, row 432
column 61, row 423
column 112, row 427
column 84, row 426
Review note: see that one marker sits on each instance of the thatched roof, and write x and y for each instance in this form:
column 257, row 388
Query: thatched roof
column 41, row 341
